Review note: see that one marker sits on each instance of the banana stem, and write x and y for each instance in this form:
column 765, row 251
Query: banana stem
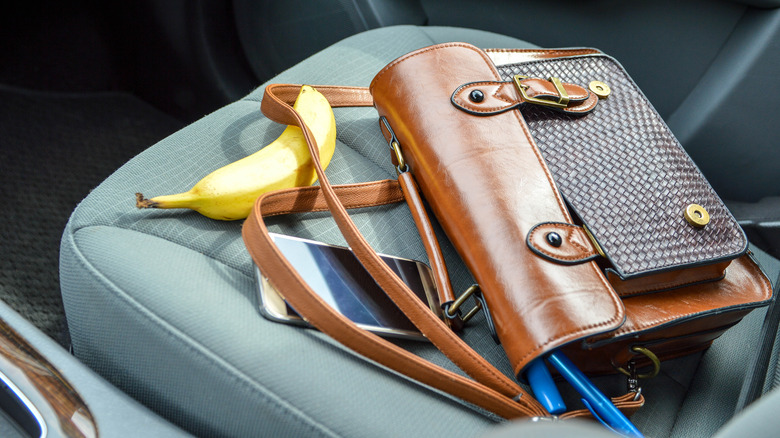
column 141, row 202
column 180, row 200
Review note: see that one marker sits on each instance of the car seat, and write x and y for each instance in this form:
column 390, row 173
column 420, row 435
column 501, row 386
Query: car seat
column 163, row 303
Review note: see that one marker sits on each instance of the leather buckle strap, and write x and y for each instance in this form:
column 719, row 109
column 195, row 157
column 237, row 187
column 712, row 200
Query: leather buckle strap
column 487, row 98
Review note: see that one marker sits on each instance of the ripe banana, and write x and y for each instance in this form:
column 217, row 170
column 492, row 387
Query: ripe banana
column 229, row 192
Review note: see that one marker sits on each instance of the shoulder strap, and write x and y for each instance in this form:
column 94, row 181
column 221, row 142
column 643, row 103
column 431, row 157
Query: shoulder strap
column 495, row 392
column 492, row 390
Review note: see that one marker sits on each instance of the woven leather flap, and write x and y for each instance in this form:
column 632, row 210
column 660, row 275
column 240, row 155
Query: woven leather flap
column 625, row 175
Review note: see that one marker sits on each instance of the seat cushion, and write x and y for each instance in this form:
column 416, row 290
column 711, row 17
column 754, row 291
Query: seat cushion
column 163, row 302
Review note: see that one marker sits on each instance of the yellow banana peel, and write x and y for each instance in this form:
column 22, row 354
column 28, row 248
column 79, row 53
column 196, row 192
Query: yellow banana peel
column 229, row 192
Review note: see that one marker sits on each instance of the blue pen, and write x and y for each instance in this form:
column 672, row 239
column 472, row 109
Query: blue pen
column 544, row 388
column 595, row 400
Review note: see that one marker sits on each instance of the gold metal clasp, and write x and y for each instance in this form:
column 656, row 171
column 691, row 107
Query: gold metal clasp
column 453, row 310
column 563, row 96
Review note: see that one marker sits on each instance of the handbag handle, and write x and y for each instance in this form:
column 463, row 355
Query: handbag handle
column 492, row 390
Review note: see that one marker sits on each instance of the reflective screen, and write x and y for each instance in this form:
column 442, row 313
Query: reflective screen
column 337, row 276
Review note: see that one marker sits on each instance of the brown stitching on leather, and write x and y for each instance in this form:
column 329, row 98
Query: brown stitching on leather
column 582, row 248
column 348, row 102
column 583, row 107
column 625, row 403
column 317, row 210
column 495, row 94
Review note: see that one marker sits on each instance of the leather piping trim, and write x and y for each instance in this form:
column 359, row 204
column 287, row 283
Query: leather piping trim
column 526, row 55
column 653, row 342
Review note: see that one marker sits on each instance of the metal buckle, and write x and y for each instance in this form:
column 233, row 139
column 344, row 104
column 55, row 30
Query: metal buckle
column 452, row 310
column 402, row 166
column 650, row 355
column 395, row 146
column 563, row 96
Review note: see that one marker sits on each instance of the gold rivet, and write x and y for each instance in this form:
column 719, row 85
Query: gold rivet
column 600, row 89
column 696, row 215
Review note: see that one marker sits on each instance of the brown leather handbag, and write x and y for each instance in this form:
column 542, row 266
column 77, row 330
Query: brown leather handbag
column 581, row 217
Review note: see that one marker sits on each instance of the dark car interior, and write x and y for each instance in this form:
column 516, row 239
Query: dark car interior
column 122, row 322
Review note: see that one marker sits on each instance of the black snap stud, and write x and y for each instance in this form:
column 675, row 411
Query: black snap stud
column 554, row 239
column 477, row 96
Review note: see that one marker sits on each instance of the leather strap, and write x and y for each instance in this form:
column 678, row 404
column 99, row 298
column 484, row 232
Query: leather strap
column 492, row 390
column 496, row 391
column 438, row 266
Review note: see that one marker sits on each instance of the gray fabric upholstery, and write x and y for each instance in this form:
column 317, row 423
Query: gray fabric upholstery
column 758, row 420
column 163, row 304
column 547, row 429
